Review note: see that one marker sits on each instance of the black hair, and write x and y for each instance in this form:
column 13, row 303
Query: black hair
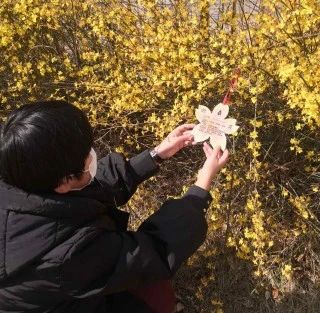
column 43, row 142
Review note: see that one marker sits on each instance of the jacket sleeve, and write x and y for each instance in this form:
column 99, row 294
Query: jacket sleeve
column 101, row 262
column 121, row 177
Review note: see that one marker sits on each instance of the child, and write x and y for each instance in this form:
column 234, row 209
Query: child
column 64, row 246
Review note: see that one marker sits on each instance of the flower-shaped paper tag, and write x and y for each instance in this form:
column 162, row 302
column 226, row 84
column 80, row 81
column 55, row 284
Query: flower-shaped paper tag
column 214, row 125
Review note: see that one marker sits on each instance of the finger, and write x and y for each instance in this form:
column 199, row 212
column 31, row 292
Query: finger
column 216, row 152
column 207, row 148
column 188, row 142
column 189, row 132
column 181, row 141
column 224, row 158
column 186, row 126
column 185, row 137
column 180, row 129
column 211, row 150
column 205, row 151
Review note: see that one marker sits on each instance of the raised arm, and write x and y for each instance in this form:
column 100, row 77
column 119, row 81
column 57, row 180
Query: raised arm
column 121, row 177
column 117, row 261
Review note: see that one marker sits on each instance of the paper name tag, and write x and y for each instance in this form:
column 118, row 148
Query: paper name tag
column 214, row 125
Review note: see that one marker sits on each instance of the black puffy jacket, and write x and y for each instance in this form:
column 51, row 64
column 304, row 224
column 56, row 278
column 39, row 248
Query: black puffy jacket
column 72, row 252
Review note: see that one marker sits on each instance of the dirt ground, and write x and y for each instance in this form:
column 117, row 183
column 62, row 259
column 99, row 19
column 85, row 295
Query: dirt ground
column 228, row 286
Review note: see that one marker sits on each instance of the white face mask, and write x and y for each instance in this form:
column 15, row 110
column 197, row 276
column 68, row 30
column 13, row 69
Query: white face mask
column 92, row 169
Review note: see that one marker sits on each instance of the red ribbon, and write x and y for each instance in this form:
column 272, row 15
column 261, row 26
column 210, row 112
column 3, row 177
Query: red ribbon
column 232, row 87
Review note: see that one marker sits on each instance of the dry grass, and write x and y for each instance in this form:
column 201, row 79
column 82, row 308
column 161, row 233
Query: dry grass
column 232, row 284
column 215, row 279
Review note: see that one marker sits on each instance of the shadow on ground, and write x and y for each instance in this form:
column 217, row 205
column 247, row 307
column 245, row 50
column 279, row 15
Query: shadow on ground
column 223, row 283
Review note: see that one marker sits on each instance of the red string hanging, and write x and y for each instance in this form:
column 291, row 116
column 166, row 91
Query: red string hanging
column 232, row 87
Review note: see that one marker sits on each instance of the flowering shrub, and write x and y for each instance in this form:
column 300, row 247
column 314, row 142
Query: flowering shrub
column 141, row 67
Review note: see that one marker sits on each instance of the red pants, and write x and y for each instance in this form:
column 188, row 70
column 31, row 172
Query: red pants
column 159, row 296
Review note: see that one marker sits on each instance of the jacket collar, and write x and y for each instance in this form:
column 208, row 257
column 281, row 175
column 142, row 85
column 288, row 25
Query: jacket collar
column 48, row 204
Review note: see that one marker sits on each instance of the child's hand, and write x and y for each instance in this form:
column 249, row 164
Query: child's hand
column 216, row 160
column 175, row 141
